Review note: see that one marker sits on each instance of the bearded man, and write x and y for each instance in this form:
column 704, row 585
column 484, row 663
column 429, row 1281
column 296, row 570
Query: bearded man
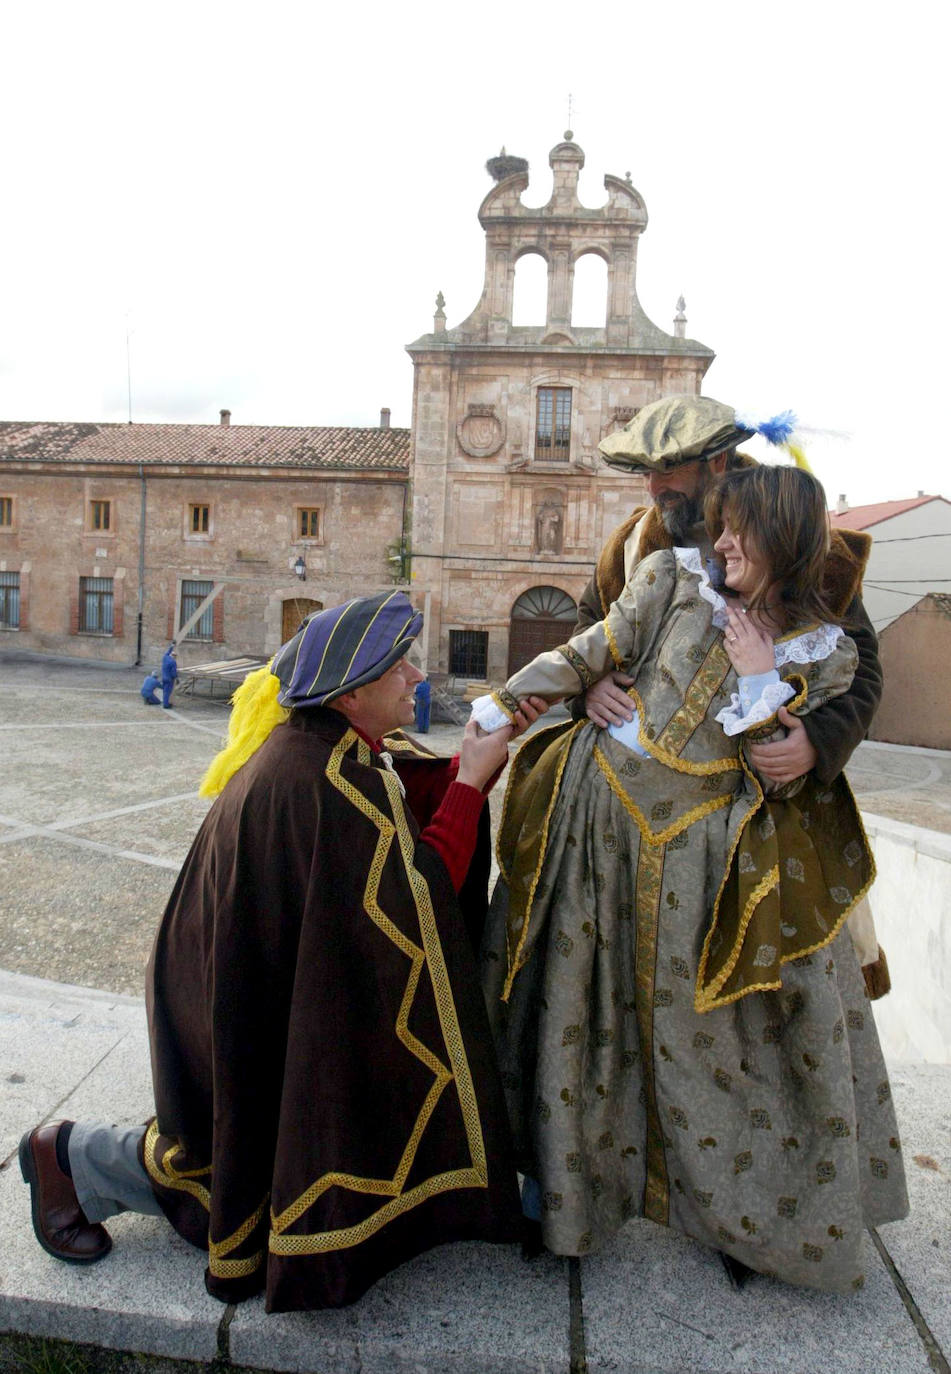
column 692, row 440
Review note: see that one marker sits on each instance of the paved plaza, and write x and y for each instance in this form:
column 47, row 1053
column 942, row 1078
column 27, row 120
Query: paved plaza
column 98, row 806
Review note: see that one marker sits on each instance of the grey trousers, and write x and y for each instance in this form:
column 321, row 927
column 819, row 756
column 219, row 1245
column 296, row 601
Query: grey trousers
column 107, row 1175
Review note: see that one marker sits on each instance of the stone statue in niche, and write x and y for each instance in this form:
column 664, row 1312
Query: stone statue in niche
column 548, row 531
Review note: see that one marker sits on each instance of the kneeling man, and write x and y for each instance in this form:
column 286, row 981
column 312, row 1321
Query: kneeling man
column 327, row 1102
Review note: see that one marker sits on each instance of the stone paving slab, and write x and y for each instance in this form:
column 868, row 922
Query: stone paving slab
column 922, row 1251
column 52, row 1038
column 473, row 1307
column 82, row 1053
column 655, row 1303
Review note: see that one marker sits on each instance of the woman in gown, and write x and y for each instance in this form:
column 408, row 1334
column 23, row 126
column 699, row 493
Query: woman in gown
column 683, row 1026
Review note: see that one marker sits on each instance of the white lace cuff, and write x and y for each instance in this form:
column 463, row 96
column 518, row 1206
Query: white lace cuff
column 489, row 716
column 775, row 694
column 810, row 647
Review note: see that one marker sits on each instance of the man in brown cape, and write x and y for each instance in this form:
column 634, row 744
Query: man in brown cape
column 327, row 1101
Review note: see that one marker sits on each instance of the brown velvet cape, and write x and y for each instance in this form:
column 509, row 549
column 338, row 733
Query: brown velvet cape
column 327, row 1098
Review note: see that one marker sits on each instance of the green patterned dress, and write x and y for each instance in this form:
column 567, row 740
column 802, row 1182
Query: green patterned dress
column 682, row 1023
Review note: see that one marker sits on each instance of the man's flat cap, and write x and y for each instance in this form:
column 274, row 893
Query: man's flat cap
column 674, row 430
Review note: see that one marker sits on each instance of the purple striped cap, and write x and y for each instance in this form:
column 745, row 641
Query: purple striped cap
column 338, row 650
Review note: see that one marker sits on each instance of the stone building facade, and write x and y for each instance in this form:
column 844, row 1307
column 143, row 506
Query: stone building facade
column 511, row 502
column 112, row 536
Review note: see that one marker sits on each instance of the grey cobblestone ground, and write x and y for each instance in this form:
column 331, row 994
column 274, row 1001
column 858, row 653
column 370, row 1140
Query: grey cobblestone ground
column 98, row 805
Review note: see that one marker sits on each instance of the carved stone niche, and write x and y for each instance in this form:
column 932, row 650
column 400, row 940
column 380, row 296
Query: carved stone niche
column 481, row 433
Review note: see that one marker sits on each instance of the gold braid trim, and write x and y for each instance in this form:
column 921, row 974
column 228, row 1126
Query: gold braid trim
column 402, row 744
column 705, row 952
column 649, row 884
column 506, row 702
column 679, row 765
column 655, row 837
column 217, row 1249
column 687, row 719
column 345, row 1237
column 516, row 959
column 708, row 999
column 165, row 1173
column 513, row 779
column 616, row 654
column 390, row 827
column 236, row 1269
column 574, row 659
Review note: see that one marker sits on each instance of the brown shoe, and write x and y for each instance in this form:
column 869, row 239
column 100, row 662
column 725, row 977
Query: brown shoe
column 59, row 1222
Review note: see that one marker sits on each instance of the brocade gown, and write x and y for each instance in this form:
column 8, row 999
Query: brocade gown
column 682, row 1024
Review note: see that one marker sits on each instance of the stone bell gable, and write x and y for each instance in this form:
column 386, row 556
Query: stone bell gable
column 511, row 502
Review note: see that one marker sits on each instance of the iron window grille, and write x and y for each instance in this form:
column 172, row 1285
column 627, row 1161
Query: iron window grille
column 193, row 594
column 553, row 424
column 10, row 600
column 95, row 605
column 468, row 653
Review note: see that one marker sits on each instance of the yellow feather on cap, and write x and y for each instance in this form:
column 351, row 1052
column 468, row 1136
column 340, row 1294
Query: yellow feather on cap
column 798, row 456
column 255, row 711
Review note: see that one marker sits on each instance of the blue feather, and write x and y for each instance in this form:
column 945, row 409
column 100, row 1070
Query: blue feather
column 779, row 428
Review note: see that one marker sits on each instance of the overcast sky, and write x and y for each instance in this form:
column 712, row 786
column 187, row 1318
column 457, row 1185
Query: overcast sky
column 268, row 198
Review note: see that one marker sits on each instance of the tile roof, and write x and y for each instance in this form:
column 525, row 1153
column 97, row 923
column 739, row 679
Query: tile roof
column 860, row 517
column 244, row 446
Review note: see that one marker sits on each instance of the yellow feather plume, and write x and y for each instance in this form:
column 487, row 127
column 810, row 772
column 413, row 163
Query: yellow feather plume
column 255, row 711
column 798, row 457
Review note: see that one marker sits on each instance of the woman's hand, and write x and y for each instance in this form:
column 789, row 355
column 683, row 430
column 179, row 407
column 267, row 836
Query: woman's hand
column 750, row 649
column 529, row 709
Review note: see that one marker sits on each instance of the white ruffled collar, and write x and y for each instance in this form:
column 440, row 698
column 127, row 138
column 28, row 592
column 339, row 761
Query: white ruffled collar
column 803, row 646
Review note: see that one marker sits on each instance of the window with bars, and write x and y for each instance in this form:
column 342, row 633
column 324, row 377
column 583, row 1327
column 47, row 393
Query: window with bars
column 100, row 517
column 199, row 519
column 10, row 600
column 95, row 606
column 308, row 522
column 468, row 653
column 553, row 424
column 193, row 594
column 6, row 512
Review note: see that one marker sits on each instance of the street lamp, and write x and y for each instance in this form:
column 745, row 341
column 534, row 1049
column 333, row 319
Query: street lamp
column 300, row 567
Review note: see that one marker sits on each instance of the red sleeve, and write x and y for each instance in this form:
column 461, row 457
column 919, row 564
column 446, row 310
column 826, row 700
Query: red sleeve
column 453, row 830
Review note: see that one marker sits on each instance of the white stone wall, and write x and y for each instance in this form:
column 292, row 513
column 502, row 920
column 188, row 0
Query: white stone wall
column 911, row 903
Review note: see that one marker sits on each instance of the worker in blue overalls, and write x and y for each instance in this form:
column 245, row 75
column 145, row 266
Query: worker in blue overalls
column 169, row 674
column 422, row 706
column 152, row 681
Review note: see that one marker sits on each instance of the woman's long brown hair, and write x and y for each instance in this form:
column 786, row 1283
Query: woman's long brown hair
column 780, row 514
